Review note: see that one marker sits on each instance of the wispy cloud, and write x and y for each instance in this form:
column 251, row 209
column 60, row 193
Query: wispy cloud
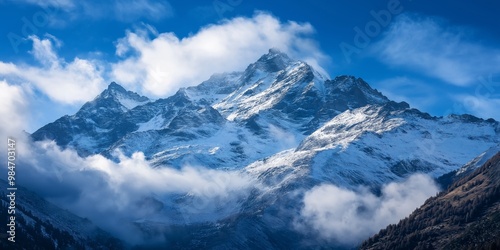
column 67, row 82
column 67, row 4
column 284, row 139
column 431, row 47
column 121, row 10
column 128, row 10
column 345, row 216
column 163, row 64
column 418, row 94
column 482, row 107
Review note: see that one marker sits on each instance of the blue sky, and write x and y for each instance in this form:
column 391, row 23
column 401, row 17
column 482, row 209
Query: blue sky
column 440, row 57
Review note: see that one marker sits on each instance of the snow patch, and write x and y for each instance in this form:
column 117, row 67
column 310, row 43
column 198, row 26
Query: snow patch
column 155, row 123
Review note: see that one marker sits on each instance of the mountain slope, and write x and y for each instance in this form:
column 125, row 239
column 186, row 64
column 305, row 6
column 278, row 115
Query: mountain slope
column 96, row 125
column 465, row 216
column 377, row 144
column 447, row 179
column 42, row 225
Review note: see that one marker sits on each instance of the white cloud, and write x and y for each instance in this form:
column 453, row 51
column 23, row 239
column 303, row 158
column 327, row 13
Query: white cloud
column 430, row 47
column 163, row 64
column 13, row 111
column 114, row 193
column 348, row 217
column 44, row 52
column 68, row 82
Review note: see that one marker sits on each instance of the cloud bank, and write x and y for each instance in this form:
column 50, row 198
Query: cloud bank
column 164, row 63
column 116, row 194
column 348, row 217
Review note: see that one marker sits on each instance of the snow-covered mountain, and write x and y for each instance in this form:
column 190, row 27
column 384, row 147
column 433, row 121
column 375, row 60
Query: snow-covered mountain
column 271, row 106
column 277, row 112
column 97, row 124
column 283, row 123
column 377, row 144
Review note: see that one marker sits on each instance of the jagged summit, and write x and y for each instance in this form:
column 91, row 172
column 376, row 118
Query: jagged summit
column 113, row 89
column 116, row 86
column 346, row 82
column 469, row 118
column 354, row 85
column 274, row 53
column 125, row 98
column 273, row 61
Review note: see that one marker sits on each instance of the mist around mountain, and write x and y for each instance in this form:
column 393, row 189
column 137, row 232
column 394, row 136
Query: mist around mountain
column 42, row 225
column 464, row 216
column 277, row 156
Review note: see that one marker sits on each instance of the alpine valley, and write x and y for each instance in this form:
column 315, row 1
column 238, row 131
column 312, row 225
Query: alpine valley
column 283, row 125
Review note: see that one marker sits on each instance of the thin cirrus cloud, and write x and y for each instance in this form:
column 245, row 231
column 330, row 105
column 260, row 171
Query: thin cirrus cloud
column 430, row 46
column 124, row 10
column 65, row 82
column 45, row 3
column 129, row 10
column 166, row 62
column 482, row 107
column 418, row 94
column 346, row 216
column 483, row 101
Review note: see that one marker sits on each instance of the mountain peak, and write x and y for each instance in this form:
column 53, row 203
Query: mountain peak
column 356, row 88
column 276, row 51
column 273, row 61
column 119, row 94
column 117, row 87
column 346, row 82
